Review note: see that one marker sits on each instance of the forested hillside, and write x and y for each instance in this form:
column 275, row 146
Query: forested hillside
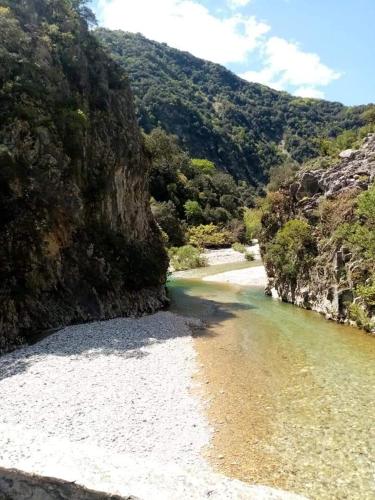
column 244, row 128
column 192, row 200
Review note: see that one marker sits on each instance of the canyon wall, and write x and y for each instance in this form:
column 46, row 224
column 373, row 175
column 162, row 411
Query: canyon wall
column 77, row 238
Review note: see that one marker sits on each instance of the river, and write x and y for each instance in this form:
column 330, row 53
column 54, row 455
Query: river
column 290, row 395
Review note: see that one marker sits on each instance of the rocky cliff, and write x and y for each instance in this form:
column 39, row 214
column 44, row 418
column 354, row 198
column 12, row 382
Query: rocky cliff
column 318, row 239
column 77, row 238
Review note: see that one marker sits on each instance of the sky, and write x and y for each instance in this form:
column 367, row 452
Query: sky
column 310, row 48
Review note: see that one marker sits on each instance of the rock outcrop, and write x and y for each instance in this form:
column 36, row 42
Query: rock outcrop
column 77, row 237
column 330, row 267
column 18, row 485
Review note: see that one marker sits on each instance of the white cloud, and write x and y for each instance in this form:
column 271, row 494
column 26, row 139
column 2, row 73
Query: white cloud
column 286, row 66
column 238, row 3
column 186, row 25
column 309, row 92
column 189, row 25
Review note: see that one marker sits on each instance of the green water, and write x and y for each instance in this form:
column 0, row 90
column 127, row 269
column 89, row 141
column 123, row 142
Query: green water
column 291, row 395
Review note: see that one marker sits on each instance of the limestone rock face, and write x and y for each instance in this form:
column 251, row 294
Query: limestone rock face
column 77, row 237
column 327, row 286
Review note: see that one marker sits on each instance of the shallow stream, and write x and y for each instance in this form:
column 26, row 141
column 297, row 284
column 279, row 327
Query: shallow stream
column 290, row 395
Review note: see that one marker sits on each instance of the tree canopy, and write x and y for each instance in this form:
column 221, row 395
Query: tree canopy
column 243, row 128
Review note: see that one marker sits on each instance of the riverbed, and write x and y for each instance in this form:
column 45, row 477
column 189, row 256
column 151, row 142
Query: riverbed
column 290, row 395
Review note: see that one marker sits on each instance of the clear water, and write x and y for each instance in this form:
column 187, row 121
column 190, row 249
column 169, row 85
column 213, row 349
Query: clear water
column 291, row 396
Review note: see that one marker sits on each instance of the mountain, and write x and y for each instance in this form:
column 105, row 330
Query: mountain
column 77, row 238
column 244, row 128
column 318, row 238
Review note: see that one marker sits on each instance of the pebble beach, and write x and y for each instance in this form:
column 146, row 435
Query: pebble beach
column 115, row 406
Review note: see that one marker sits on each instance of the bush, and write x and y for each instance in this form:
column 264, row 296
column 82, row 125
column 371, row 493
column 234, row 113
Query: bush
column 238, row 247
column 292, row 249
column 367, row 293
column 249, row 256
column 237, row 229
column 366, row 206
column 349, row 139
column 282, row 175
column 203, row 166
column 166, row 216
column 209, row 236
column 252, row 220
column 336, row 212
column 362, row 240
column 186, row 257
column 217, row 215
column 193, row 212
column 359, row 316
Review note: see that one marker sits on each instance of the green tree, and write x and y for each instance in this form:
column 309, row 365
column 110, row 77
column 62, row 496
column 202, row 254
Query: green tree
column 209, row 236
column 292, row 249
column 252, row 220
column 203, row 166
column 282, row 175
column 193, row 212
column 166, row 216
column 369, row 115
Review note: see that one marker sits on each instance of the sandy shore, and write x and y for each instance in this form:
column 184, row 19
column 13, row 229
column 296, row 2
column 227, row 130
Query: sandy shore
column 251, row 276
column 112, row 406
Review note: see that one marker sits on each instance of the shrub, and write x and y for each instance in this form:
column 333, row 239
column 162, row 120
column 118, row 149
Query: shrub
column 166, row 216
column 335, row 212
column 359, row 316
column 367, row 293
column 217, row 215
column 237, row 228
column 349, row 139
column 362, row 239
column 229, row 202
column 203, row 166
column 366, row 206
column 282, row 175
column 249, row 256
column 369, row 115
column 238, row 247
column 357, row 232
column 209, row 236
column 186, row 257
column 193, row 212
column 292, row 249
column 252, row 219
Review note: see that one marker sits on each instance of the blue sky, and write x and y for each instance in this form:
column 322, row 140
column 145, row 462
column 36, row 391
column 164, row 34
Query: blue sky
column 312, row 48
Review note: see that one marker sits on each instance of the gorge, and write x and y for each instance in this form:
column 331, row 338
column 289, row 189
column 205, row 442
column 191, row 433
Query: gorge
column 148, row 200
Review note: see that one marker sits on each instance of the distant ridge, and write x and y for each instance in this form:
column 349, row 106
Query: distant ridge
column 245, row 128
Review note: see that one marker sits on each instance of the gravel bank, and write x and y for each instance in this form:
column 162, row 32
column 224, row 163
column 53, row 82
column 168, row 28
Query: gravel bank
column 122, row 384
column 228, row 255
column 111, row 406
column 252, row 276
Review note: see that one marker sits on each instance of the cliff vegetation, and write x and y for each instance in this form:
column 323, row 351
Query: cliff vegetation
column 318, row 237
